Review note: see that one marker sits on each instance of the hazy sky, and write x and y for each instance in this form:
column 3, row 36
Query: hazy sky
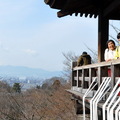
column 32, row 35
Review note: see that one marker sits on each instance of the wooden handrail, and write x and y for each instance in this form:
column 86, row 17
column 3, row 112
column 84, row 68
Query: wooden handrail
column 100, row 70
column 101, row 64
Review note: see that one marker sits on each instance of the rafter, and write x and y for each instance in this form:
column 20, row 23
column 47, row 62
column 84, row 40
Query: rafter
column 112, row 8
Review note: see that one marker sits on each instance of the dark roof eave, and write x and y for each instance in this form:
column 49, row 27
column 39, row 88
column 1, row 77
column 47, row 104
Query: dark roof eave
column 108, row 8
column 90, row 15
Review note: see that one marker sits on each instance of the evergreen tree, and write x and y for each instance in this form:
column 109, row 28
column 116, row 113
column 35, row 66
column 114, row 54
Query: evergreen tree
column 17, row 87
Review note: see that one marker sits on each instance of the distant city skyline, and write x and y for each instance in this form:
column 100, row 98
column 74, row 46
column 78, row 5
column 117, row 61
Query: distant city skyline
column 32, row 35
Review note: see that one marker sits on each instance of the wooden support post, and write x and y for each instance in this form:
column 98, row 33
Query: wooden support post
column 112, row 76
column 90, row 76
column 115, row 72
column 83, row 78
column 99, row 76
column 92, row 73
column 103, row 31
column 73, row 82
column 77, row 79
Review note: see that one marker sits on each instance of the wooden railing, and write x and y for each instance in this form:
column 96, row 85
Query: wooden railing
column 82, row 79
column 82, row 76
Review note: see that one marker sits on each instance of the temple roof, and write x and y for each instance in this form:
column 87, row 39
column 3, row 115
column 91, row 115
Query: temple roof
column 89, row 8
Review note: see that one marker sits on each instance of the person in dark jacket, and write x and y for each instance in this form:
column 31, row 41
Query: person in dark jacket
column 84, row 59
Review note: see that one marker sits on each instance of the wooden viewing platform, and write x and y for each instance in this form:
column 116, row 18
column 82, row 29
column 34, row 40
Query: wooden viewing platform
column 78, row 96
column 83, row 76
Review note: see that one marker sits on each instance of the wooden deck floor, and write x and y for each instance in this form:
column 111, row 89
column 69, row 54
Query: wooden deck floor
column 80, row 117
column 79, row 96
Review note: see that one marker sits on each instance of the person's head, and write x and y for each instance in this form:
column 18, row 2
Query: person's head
column 118, row 36
column 110, row 44
column 84, row 53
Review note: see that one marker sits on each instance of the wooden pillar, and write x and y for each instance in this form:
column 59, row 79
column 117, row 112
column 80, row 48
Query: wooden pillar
column 113, row 75
column 73, row 82
column 103, row 32
column 99, row 76
column 83, row 78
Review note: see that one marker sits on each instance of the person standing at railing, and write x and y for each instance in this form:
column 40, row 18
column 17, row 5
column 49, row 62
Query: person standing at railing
column 117, row 52
column 110, row 51
column 84, row 59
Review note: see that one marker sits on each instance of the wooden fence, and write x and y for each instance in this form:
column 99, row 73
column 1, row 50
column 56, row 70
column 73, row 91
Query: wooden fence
column 83, row 76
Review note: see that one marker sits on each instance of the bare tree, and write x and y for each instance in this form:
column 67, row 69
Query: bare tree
column 116, row 31
column 69, row 58
column 94, row 54
column 72, row 57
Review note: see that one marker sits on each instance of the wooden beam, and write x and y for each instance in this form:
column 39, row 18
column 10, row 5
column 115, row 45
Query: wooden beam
column 112, row 8
column 62, row 14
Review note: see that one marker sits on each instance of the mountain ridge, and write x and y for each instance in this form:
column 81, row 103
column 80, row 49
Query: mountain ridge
column 18, row 71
